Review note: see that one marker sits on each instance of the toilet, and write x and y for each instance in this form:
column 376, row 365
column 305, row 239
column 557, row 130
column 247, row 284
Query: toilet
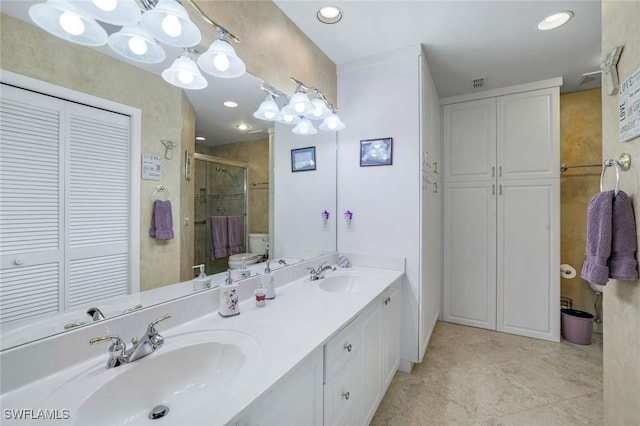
column 257, row 248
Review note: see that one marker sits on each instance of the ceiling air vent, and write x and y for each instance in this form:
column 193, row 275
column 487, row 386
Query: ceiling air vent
column 478, row 83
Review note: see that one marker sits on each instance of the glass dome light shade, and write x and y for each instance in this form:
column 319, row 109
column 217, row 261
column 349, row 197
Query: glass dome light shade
column 219, row 54
column 305, row 127
column 169, row 23
column 125, row 12
column 332, row 123
column 299, row 104
column 56, row 15
column 150, row 52
column 184, row 73
column 268, row 110
column 320, row 110
column 287, row 118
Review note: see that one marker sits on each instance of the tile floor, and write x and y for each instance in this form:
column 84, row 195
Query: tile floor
column 472, row 376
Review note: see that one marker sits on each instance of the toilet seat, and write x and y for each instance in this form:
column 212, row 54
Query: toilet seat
column 235, row 261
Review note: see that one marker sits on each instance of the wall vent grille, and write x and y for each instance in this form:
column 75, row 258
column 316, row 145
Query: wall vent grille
column 478, row 83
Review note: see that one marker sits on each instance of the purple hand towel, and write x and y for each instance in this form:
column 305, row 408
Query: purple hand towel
column 594, row 268
column 622, row 261
column 218, row 237
column 235, row 235
column 161, row 220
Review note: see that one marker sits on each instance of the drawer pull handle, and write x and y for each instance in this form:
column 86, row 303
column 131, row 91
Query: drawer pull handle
column 348, row 348
column 387, row 300
column 345, row 395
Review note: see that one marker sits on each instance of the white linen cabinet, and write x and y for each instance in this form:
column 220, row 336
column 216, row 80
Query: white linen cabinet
column 502, row 211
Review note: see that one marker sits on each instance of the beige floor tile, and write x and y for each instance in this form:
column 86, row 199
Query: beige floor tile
column 475, row 376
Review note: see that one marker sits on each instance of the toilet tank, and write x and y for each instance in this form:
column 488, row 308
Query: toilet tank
column 258, row 243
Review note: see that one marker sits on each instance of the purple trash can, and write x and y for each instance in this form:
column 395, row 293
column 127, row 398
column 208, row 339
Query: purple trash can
column 577, row 326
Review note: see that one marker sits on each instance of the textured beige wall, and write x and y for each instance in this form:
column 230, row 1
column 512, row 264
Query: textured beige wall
column 622, row 298
column 256, row 154
column 272, row 46
column 580, row 143
column 29, row 51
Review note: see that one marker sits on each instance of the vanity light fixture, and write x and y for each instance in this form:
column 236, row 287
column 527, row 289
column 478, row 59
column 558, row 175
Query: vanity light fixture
column 332, row 123
column 115, row 12
column 169, row 23
column 329, row 15
column 184, row 73
column 63, row 20
column 305, row 127
column 268, row 109
column 135, row 43
column 555, row 20
column 287, row 118
column 220, row 59
column 230, row 104
column 320, row 109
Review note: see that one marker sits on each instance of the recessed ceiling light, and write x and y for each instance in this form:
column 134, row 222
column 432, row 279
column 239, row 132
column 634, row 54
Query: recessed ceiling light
column 242, row 126
column 230, row 104
column 555, row 20
column 329, row 15
column 201, row 138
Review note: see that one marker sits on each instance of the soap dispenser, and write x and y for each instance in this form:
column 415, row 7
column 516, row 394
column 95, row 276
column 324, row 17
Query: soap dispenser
column 266, row 282
column 229, row 298
column 202, row 281
column 244, row 271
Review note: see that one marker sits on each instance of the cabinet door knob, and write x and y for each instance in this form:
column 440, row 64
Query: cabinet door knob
column 348, row 347
column 345, row 395
column 435, row 167
column 17, row 261
column 500, row 171
column 493, row 171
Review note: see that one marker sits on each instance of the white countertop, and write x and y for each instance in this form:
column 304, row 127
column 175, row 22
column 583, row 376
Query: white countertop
column 301, row 319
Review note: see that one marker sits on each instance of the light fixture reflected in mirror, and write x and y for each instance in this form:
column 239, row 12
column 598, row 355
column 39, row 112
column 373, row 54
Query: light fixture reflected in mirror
column 332, row 123
column 299, row 103
column 221, row 60
column 134, row 43
column 114, row 12
column 185, row 73
column 268, row 109
column 305, row 127
column 169, row 23
column 63, row 20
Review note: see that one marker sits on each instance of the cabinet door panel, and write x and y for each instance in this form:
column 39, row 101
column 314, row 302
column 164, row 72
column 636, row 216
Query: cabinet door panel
column 528, row 246
column 470, row 140
column 371, row 358
column 528, row 135
column 470, row 254
column 391, row 310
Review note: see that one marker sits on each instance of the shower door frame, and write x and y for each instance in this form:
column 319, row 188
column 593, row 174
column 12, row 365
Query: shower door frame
column 226, row 162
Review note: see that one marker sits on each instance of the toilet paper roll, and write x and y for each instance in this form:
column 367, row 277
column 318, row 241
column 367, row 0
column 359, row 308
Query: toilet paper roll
column 567, row 271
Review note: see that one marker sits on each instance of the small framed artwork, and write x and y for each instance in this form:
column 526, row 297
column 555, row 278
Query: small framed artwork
column 376, row 152
column 303, row 159
column 187, row 165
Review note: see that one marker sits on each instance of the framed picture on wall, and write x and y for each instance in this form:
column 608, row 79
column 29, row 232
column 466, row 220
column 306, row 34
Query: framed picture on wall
column 376, row 152
column 303, row 159
column 187, row 165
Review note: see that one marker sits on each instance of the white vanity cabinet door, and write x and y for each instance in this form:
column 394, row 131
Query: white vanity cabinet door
column 391, row 333
column 342, row 396
column 297, row 400
column 372, row 357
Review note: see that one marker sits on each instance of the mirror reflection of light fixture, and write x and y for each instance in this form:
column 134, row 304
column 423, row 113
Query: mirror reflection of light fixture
column 299, row 103
column 169, row 23
column 332, row 123
column 114, row 12
column 221, row 60
column 184, row 73
column 287, row 118
column 63, row 20
column 305, row 127
column 268, row 110
column 134, row 43
column 320, row 109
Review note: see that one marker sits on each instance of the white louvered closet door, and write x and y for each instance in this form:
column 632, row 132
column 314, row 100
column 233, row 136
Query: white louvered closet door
column 97, row 177
column 64, row 206
column 31, row 207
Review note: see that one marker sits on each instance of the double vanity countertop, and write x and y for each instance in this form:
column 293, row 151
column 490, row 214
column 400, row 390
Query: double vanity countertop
column 210, row 368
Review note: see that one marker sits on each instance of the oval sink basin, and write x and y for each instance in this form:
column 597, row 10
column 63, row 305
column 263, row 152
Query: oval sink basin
column 189, row 370
column 342, row 283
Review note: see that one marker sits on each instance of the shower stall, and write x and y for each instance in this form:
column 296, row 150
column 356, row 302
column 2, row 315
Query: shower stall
column 220, row 190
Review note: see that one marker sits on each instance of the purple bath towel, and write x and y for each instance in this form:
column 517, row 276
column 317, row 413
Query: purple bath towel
column 622, row 261
column 219, row 237
column 594, row 268
column 161, row 220
column 235, row 235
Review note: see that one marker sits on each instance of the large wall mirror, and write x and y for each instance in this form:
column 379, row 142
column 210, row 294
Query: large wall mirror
column 233, row 172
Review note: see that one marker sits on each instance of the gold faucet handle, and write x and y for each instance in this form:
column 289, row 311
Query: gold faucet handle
column 73, row 325
column 117, row 343
column 152, row 326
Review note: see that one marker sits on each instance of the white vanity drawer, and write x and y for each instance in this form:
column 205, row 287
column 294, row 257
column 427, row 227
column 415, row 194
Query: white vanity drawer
column 341, row 348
